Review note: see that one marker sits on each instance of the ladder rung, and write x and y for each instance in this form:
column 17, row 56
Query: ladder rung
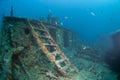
column 47, row 44
column 55, row 53
column 59, row 53
column 60, row 61
column 39, row 29
column 45, row 37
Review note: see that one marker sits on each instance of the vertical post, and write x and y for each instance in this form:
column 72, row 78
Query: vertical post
column 11, row 12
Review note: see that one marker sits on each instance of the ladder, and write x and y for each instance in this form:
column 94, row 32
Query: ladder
column 51, row 49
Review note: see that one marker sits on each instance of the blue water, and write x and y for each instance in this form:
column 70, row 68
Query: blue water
column 91, row 19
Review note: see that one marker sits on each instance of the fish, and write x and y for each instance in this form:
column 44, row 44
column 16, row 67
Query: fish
column 92, row 13
column 84, row 47
column 65, row 17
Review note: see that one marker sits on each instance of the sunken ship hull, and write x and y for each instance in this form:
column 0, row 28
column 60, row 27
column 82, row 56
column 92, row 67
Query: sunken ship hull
column 39, row 50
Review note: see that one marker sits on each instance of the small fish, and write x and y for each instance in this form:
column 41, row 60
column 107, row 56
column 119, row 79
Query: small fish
column 92, row 13
column 84, row 47
column 65, row 17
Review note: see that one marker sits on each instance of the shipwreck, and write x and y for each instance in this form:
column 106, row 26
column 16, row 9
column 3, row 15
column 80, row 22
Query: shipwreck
column 35, row 44
column 44, row 50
